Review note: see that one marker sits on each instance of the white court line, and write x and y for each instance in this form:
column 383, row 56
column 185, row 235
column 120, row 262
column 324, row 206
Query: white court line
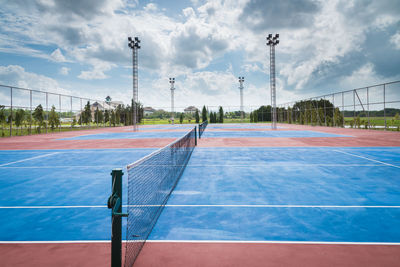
column 273, row 206
column 57, row 242
column 211, row 206
column 64, row 167
column 51, row 207
column 284, row 164
column 273, row 242
column 358, row 156
column 37, row 157
column 207, row 241
column 201, row 166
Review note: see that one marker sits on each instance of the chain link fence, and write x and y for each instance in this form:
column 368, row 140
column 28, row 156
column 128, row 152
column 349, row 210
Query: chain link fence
column 371, row 107
column 25, row 111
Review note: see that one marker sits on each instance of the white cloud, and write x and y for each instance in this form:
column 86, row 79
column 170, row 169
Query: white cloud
column 64, row 71
column 395, row 40
column 15, row 75
column 365, row 73
column 150, row 7
column 58, row 56
column 97, row 72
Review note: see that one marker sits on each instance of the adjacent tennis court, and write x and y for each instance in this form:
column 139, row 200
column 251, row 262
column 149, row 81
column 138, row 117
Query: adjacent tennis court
column 233, row 205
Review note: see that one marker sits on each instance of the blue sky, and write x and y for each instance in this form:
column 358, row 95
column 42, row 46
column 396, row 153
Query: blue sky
column 80, row 47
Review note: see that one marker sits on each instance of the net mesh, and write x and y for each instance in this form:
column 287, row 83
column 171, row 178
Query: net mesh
column 202, row 127
column 150, row 183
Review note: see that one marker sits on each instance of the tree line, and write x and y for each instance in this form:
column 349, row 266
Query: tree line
column 41, row 119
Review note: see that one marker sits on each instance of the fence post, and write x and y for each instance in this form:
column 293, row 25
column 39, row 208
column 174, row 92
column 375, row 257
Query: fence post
column 11, row 109
column 354, row 108
column 47, row 111
column 195, row 135
column 72, row 114
column 343, row 109
column 30, row 104
column 384, row 104
column 59, row 103
column 369, row 124
column 334, row 111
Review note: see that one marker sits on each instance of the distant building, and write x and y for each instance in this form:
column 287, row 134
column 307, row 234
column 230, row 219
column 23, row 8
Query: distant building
column 191, row 110
column 108, row 105
column 148, row 111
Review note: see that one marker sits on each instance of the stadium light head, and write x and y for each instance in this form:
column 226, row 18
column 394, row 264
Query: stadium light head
column 272, row 41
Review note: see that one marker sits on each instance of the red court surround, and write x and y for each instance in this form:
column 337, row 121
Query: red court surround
column 204, row 254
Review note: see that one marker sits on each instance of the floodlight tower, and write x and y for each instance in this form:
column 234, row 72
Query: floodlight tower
column 172, row 82
column 272, row 42
column 241, row 81
column 134, row 44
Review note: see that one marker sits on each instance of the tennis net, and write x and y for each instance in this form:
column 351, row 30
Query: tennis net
column 202, row 127
column 151, row 180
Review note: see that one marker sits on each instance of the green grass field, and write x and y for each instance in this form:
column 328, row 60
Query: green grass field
column 374, row 121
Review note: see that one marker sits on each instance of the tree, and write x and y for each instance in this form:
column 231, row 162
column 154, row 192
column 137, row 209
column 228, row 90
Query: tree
column 263, row 113
column 106, row 116
column 255, row 116
column 113, row 118
column 181, row 118
column 96, row 115
column 73, row 123
column 87, row 114
column 221, row 115
column 38, row 115
column 54, row 119
column 213, row 117
column 2, row 119
column 197, row 116
column 204, row 114
column 19, row 118
column 338, row 118
column 118, row 114
column 251, row 117
column 100, row 116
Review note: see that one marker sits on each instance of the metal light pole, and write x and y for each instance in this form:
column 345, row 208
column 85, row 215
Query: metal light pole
column 272, row 42
column 134, row 44
column 172, row 81
column 241, row 81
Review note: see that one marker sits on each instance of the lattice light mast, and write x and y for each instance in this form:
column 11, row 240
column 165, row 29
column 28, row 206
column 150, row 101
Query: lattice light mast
column 272, row 42
column 172, row 82
column 241, row 81
column 134, row 44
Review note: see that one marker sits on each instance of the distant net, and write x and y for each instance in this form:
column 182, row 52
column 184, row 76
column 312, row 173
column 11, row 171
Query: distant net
column 202, row 128
column 151, row 181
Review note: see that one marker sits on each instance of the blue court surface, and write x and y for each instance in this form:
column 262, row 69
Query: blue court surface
column 209, row 134
column 245, row 194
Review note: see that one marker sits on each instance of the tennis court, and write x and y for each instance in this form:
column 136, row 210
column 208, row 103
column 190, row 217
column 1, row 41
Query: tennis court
column 249, row 196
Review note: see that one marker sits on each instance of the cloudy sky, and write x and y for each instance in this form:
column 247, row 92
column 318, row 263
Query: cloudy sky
column 80, row 47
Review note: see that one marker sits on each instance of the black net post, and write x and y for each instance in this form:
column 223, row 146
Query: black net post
column 195, row 135
column 115, row 203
